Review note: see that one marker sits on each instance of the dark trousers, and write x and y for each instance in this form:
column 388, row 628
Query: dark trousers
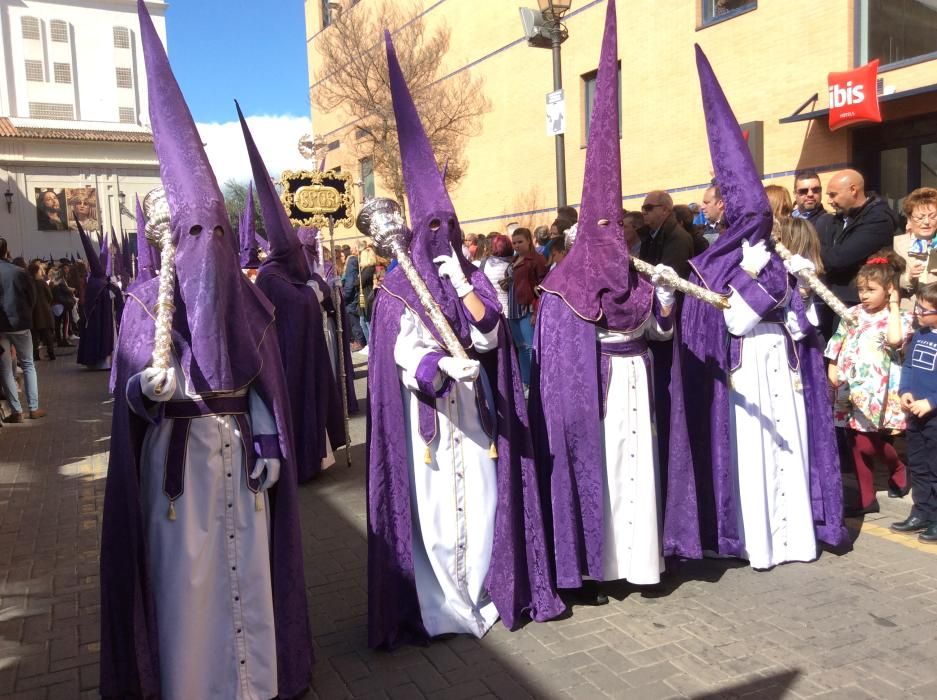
column 866, row 447
column 354, row 325
column 921, row 437
column 43, row 335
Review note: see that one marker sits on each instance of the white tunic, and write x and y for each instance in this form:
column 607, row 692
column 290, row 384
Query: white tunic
column 210, row 567
column 771, row 463
column 632, row 521
column 452, row 499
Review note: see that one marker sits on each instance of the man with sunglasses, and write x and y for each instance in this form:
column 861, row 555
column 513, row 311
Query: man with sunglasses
column 666, row 242
column 808, row 200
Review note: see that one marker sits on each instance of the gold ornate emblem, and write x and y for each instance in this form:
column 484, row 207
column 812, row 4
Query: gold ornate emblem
column 312, row 197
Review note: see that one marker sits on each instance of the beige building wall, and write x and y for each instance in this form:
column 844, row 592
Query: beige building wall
column 769, row 61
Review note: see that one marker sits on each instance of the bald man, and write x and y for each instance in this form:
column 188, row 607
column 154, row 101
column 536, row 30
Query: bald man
column 666, row 241
column 863, row 224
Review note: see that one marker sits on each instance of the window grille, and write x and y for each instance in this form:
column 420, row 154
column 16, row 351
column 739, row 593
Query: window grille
column 34, row 71
column 121, row 38
column 58, row 30
column 124, row 78
column 30, row 27
column 63, row 72
column 51, row 110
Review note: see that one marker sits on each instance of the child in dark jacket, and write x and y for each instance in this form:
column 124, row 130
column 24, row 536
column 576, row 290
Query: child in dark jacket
column 918, row 392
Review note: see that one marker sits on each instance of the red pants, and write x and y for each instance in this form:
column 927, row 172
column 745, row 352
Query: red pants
column 866, row 447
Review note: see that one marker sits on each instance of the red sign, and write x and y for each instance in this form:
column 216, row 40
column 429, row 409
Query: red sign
column 853, row 96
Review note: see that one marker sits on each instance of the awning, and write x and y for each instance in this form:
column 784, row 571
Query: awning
column 800, row 116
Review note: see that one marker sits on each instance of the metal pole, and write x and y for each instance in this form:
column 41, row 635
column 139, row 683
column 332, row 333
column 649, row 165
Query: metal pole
column 557, row 37
column 340, row 342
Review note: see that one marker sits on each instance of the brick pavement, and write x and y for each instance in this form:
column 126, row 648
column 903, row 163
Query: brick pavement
column 852, row 626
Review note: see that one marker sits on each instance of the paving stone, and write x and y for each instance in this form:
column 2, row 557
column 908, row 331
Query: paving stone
column 852, row 626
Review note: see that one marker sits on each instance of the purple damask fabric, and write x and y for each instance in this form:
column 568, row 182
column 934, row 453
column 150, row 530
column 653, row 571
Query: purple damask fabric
column 595, row 279
column 250, row 259
column 96, row 342
column 703, row 513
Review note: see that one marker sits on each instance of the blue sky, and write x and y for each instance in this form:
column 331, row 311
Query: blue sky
column 255, row 51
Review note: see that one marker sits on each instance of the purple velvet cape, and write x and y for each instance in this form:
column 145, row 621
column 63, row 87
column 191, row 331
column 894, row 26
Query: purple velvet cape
column 519, row 579
column 129, row 638
column 315, row 404
column 565, row 415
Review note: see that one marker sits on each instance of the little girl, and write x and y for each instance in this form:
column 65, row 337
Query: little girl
column 865, row 372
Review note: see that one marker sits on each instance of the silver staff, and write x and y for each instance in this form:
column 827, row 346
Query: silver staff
column 667, row 276
column 816, row 286
column 340, row 341
column 380, row 219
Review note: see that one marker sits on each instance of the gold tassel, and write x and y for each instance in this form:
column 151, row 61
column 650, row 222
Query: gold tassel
column 493, row 450
column 172, row 510
column 258, row 502
column 427, row 456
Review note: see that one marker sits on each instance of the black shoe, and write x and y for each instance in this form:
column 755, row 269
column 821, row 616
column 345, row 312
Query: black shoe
column 929, row 536
column 859, row 512
column 895, row 492
column 911, row 524
column 591, row 593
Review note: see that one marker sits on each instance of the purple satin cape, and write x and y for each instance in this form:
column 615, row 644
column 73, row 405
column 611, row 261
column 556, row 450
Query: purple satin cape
column 566, row 421
column 519, row 578
column 703, row 512
column 315, row 403
column 129, row 638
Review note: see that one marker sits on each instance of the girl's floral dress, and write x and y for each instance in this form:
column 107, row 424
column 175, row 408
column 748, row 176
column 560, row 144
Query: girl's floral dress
column 866, row 399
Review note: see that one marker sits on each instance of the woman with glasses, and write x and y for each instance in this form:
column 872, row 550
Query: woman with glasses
column 917, row 243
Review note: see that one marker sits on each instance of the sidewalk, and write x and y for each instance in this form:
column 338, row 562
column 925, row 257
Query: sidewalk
column 853, row 626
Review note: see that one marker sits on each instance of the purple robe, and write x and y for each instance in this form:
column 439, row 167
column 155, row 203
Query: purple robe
column 129, row 638
column 328, row 306
column 315, row 404
column 519, row 580
column 96, row 342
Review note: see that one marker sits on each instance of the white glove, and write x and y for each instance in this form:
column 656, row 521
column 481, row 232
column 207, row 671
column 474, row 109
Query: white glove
column 272, row 466
column 314, row 286
column 798, row 263
column 449, row 266
column 665, row 293
column 754, row 257
column 158, row 384
column 460, row 370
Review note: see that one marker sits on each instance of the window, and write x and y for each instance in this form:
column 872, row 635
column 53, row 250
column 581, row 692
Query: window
column 30, row 27
column 50, row 110
column 34, row 71
column 898, row 30
column 124, row 78
column 128, row 115
column 63, row 72
column 121, row 38
column 58, row 30
column 588, row 101
column 717, row 10
column 367, row 178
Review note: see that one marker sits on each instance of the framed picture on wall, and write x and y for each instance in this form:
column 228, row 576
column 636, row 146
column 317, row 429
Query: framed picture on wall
column 50, row 209
column 82, row 204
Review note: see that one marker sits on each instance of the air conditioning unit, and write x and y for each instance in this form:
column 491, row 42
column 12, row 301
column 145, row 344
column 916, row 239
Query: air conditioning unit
column 535, row 29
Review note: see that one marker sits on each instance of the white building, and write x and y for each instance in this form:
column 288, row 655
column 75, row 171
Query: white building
column 74, row 120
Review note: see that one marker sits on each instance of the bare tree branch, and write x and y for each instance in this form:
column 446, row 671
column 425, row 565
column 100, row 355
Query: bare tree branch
column 352, row 77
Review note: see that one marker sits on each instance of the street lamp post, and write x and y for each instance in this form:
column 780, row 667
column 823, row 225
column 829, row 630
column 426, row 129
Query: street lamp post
column 552, row 12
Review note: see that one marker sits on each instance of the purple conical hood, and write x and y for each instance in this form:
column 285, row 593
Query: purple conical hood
column 747, row 210
column 595, row 279
column 247, row 233
column 95, row 266
column 147, row 258
column 284, row 244
column 220, row 317
column 433, row 220
column 108, row 259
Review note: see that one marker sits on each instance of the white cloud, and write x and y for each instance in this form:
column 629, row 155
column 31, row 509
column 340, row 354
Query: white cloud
column 276, row 138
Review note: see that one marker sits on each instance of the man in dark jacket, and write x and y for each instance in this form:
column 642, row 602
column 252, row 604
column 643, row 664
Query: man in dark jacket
column 17, row 299
column 350, row 294
column 863, row 224
column 808, row 200
column 666, row 241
